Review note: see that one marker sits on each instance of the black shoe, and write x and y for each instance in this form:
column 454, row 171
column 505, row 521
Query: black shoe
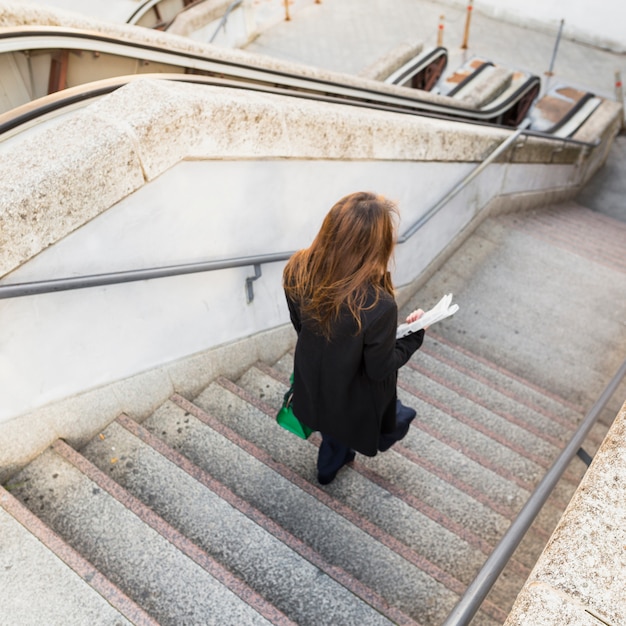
column 404, row 416
column 325, row 479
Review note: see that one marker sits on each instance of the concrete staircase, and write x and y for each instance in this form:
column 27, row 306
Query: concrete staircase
column 207, row 512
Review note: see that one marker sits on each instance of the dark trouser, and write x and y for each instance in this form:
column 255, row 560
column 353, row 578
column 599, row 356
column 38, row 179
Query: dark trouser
column 333, row 455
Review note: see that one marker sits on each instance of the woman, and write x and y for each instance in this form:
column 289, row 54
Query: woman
column 342, row 305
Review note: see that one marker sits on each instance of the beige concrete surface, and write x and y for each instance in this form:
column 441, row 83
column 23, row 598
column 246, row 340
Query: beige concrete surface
column 580, row 578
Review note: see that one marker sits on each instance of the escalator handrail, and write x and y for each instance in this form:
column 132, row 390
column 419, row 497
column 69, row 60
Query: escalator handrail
column 410, row 99
column 469, row 78
column 141, row 10
column 56, row 101
column 412, row 67
column 571, row 113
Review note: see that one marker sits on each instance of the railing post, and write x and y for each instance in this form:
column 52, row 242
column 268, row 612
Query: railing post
column 440, row 30
column 231, row 7
column 468, row 18
column 619, row 92
column 250, row 282
column 550, row 71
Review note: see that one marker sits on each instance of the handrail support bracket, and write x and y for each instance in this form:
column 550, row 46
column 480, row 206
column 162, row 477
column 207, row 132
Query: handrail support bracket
column 250, row 282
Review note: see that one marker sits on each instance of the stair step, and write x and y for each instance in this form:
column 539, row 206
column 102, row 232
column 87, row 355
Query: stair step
column 340, row 537
column 432, row 493
column 364, row 481
column 535, row 400
column 61, row 586
column 569, row 226
column 397, row 522
column 268, row 385
column 241, row 538
column 511, row 410
column 284, row 365
column 437, row 458
column 157, row 567
column 435, row 419
column 503, row 468
column 555, row 409
column 484, row 436
column 507, row 448
column 503, row 378
column 533, row 453
column 449, row 553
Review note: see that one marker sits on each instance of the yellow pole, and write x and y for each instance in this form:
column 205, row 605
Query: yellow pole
column 440, row 31
column 468, row 17
column 287, row 16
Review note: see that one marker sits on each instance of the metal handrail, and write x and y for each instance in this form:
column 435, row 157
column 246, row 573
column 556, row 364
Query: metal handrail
column 505, row 145
column 478, row 589
column 17, row 290
column 231, row 7
column 139, row 12
column 113, row 278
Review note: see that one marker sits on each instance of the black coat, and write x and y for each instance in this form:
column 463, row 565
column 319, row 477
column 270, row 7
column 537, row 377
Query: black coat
column 346, row 387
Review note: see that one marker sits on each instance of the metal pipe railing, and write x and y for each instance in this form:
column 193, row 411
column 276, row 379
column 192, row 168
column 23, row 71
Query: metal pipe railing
column 503, row 147
column 477, row 591
column 231, row 7
column 97, row 280
column 113, row 278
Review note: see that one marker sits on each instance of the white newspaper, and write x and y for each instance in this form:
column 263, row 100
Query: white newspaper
column 444, row 308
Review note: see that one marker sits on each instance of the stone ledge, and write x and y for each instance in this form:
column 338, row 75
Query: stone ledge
column 579, row 579
column 58, row 179
column 394, row 59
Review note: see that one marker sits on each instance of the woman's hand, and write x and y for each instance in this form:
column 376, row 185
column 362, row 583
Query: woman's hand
column 413, row 317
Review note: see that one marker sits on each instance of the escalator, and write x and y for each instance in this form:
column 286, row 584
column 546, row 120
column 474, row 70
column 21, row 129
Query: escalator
column 478, row 84
column 36, row 62
column 159, row 14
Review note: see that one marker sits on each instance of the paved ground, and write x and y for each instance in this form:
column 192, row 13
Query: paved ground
column 344, row 36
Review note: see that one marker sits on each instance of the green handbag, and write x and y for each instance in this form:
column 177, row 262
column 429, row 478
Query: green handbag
column 288, row 420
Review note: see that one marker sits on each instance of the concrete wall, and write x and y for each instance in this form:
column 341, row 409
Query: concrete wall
column 597, row 22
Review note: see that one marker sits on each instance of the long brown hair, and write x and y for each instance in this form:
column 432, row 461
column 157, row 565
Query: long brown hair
column 348, row 256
